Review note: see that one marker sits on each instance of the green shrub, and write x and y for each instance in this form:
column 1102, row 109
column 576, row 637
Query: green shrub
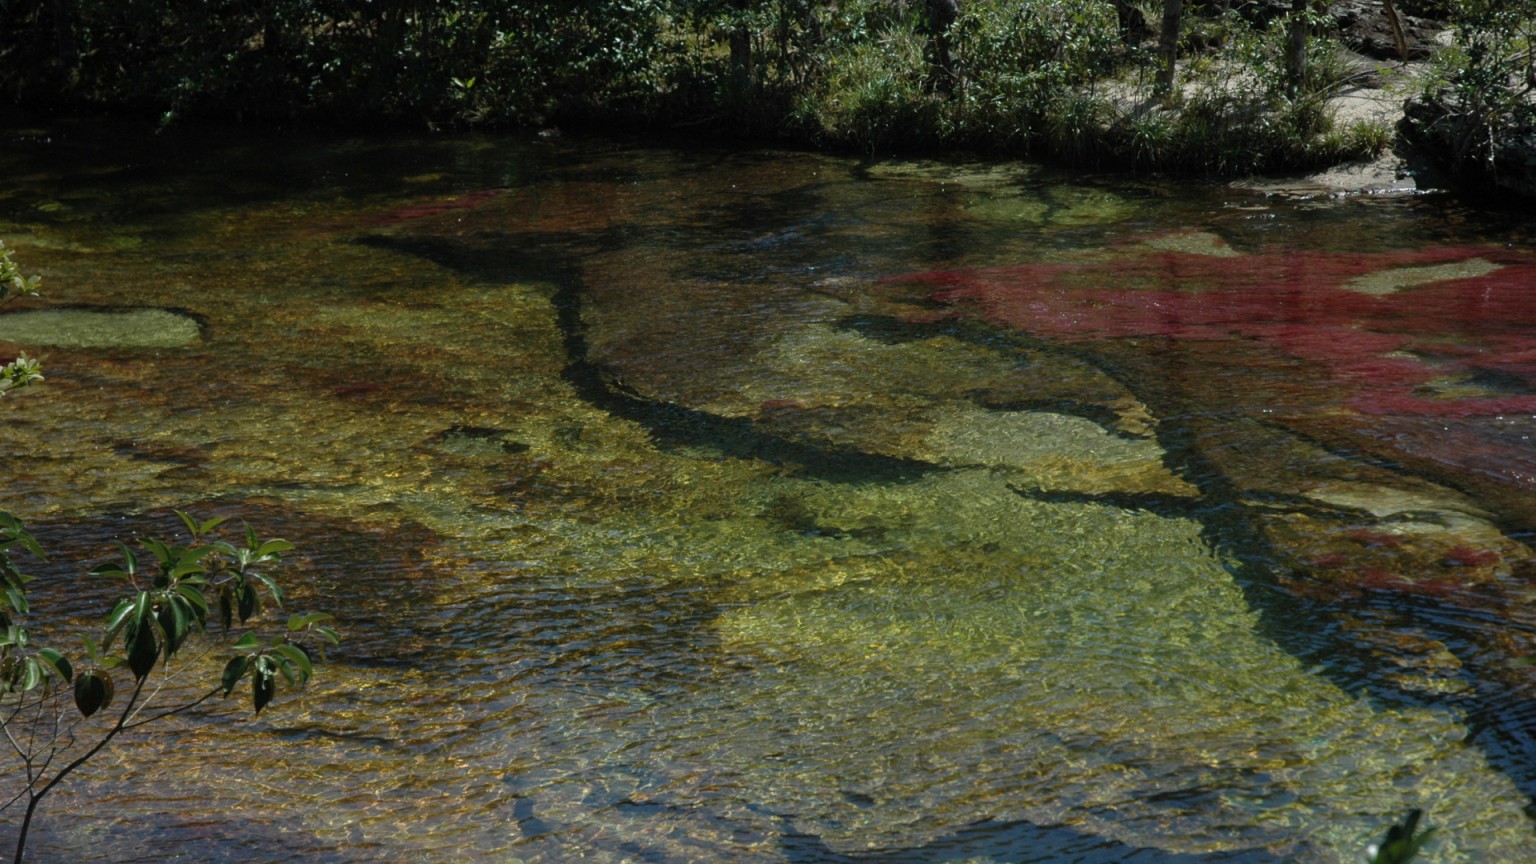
column 871, row 96
column 1479, row 108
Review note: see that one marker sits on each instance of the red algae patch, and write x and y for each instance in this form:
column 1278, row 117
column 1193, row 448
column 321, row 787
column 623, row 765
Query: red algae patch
column 422, row 210
column 1385, row 326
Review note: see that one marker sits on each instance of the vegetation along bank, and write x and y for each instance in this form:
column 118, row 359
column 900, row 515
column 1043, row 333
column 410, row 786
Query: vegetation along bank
column 1217, row 87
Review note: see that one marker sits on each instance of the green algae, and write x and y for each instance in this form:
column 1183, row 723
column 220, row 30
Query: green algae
column 1397, row 279
column 1191, row 243
column 1096, row 649
column 96, row 328
column 967, row 175
column 1055, row 207
column 1052, row 451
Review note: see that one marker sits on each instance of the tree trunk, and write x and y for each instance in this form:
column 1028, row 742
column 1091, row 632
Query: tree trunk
column 941, row 16
column 1168, row 46
column 1296, row 47
column 1396, row 23
column 1132, row 21
column 741, row 52
column 64, row 35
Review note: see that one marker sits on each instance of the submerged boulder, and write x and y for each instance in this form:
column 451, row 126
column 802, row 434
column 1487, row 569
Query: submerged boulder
column 100, row 327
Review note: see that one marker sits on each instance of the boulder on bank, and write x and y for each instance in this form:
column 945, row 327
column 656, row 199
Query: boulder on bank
column 1502, row 158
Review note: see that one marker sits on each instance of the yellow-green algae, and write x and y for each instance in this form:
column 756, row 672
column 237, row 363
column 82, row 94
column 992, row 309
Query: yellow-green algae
column 98, row 328
column 1056, row 207
column 1052, row 451
column 1397, row 279
column 910, row 398
column 1191, row 243
column 1076, row 663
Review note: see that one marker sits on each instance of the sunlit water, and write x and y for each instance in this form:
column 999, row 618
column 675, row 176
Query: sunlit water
column 765, row 507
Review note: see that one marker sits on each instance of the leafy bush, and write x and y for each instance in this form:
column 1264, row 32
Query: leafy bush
column 1030, row 70
column 1479, row 110
column 173, row 592
column 1013, row 76
column 22, row 370
column 871, row 96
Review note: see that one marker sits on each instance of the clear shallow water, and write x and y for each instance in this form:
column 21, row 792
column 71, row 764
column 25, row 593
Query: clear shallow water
column 698, row 506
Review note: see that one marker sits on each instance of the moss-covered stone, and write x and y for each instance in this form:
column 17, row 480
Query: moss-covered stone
column 100, row 328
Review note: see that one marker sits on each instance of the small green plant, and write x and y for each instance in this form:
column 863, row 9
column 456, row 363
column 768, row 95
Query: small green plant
column 12, row 283
column 1403, row 841
column 23, row 370
column 174, row 591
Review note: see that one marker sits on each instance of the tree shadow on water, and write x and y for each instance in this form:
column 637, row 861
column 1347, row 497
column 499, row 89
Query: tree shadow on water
column 1013, row 842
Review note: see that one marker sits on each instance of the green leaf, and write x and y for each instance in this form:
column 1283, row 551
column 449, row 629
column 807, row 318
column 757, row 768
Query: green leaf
column 189, row 562
column 272, row 548
column 245, row 595
column 234, row 670
column 272, row 586
column 226, row 607
column 17, row 600
column 300, row 622
column 11, row 576
column 58, row 664
column 111, row 570
column 143, row 650
column 1402, row 842
column 189, row 522
column 263, row 687
column 247, row 642
column 13, row 531
column 296, row 656
column 122, row 613
column 163, row 553
column 173, row 624
column 93, row 692
column 192, row 595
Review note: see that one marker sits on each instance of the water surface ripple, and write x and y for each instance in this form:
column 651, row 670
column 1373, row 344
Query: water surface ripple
column 697, row 506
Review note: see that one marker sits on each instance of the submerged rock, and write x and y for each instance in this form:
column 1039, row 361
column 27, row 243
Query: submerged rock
column 85, row 327
column 1051, row 451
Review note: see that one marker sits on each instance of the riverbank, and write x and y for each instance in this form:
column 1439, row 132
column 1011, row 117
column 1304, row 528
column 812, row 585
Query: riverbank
column 1379, row 98
column 1234, row 91
column 1080, row 84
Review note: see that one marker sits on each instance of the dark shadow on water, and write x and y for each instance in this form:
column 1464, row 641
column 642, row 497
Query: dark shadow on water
column 499, row 257
column 1015, row 843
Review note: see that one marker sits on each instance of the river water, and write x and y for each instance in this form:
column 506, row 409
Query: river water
column 694, row 505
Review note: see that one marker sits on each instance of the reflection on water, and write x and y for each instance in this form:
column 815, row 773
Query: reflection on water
column 672, row 519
